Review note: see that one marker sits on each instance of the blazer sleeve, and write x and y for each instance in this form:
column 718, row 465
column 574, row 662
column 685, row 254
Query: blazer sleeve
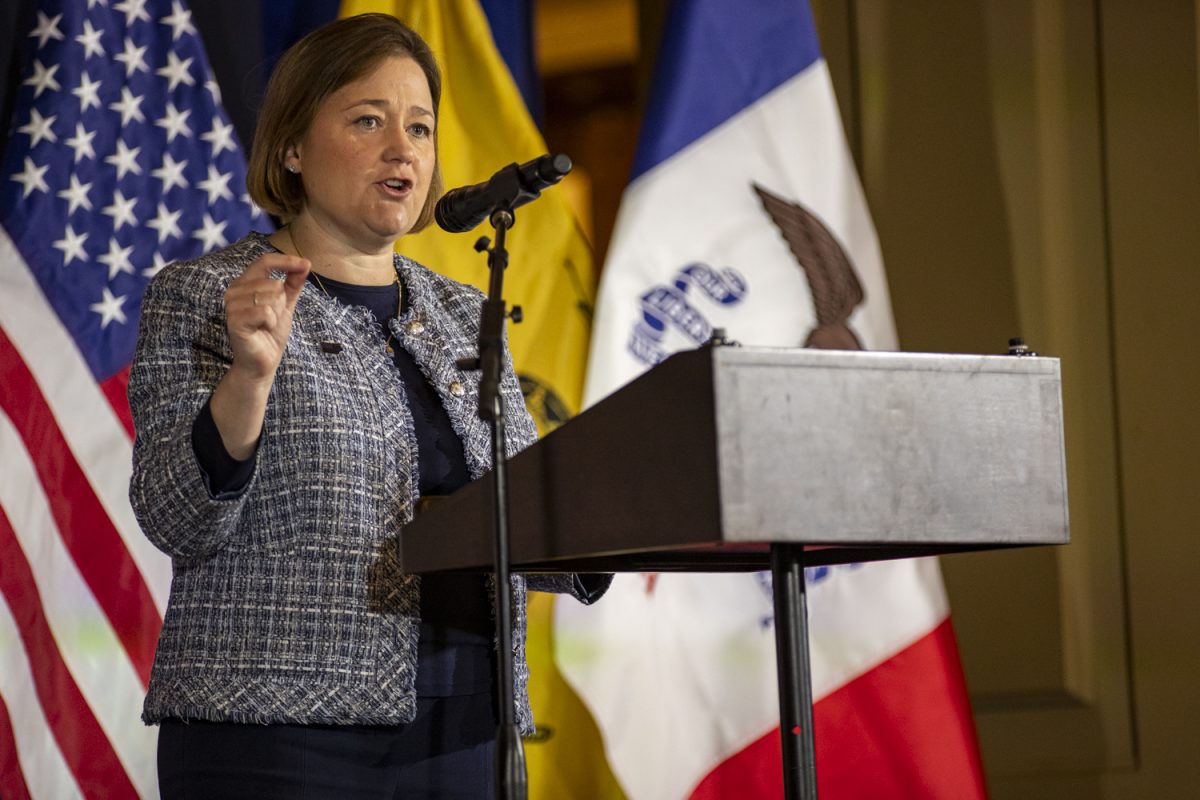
column 182, row 353
column 587, row 588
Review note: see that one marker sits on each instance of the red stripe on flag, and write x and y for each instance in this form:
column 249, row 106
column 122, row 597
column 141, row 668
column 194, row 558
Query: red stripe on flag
column 115, row 389
column 86, row 530
column 754, row 771
column 84, row 746
column 12, row 779
column 903, row 729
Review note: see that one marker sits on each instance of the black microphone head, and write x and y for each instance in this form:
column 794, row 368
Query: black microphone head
column 446, row 214
column 462, row 209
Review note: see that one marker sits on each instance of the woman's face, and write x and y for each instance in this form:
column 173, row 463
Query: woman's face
column 368, row 157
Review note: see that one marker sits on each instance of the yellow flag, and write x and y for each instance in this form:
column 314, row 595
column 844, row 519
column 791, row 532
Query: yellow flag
column 484, row 125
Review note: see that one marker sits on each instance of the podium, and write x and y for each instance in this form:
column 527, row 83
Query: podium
column 739, row 458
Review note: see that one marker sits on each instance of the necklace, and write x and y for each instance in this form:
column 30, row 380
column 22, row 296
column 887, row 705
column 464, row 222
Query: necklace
column 399, row 291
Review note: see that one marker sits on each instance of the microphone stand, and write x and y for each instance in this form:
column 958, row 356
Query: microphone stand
column 512, row 781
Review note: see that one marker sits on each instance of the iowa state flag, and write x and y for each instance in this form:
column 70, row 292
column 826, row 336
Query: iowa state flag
column 745, row 213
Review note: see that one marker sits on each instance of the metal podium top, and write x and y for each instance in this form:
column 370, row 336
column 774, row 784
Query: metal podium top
column 706, row 459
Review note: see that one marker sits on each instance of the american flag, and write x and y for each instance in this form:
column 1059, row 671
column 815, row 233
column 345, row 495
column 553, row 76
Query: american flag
column 120, row 160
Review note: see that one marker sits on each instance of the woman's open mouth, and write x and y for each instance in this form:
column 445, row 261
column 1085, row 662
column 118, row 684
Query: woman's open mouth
column 396, row 187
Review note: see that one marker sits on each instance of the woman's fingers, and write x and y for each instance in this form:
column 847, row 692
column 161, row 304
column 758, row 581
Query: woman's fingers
column 272, row 267
column 268, row 263
column 258, row 310
column 293, row 282
column 260, row 285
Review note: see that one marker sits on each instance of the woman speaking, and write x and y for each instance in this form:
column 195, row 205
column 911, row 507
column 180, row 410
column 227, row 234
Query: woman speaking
column 294, row 395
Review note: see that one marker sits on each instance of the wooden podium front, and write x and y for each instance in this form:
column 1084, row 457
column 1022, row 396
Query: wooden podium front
column 739, row 458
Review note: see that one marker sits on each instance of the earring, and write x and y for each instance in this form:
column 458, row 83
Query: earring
column 291, row 168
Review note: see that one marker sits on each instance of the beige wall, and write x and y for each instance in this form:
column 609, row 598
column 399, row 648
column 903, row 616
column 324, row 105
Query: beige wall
column 1033, row 168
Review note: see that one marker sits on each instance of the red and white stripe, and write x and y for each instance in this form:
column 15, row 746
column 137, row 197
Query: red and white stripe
column 83, row 589
column 909, row 739
column 679, row 674
column 31, row 764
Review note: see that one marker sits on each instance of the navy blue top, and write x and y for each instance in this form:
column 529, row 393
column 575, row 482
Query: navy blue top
column 455, row 652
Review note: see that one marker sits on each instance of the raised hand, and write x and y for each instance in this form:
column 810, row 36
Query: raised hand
column 258, row 313
column 258, row 317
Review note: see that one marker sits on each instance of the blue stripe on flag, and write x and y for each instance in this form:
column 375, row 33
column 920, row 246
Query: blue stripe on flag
column 511, row 22
column 285, row 22
column 718, row 57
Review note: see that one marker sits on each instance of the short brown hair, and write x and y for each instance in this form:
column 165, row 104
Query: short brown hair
column 311, row 70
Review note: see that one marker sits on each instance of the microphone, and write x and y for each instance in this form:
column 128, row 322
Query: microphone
column 462, row 209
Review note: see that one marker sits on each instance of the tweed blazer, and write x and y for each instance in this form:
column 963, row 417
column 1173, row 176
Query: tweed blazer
column 287, row 601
